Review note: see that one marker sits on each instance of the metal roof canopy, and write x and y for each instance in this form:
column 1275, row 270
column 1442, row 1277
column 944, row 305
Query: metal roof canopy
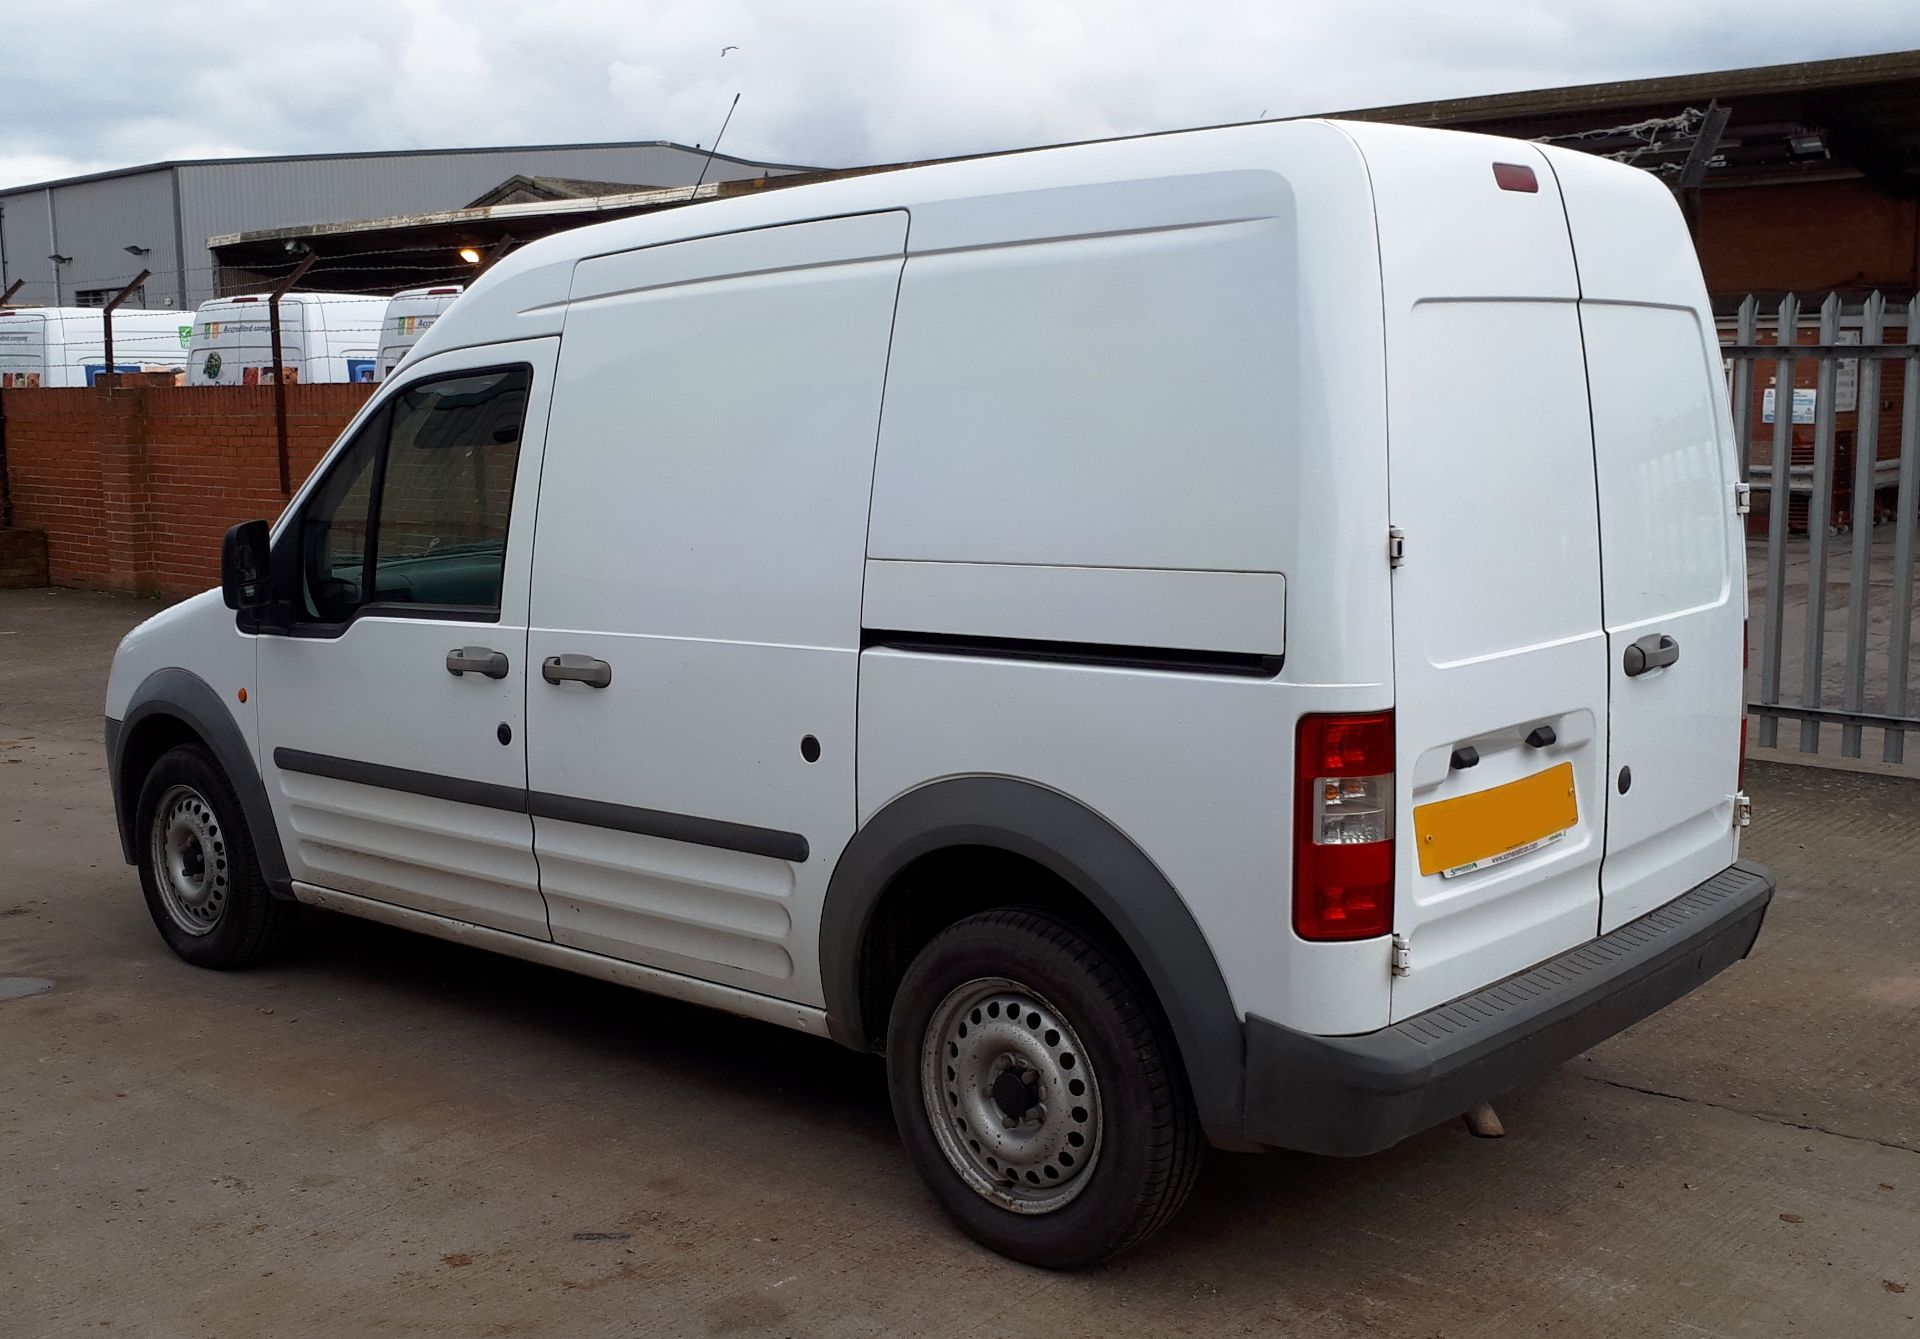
column 1864, row 110
column 412, row 250
column 167, row 164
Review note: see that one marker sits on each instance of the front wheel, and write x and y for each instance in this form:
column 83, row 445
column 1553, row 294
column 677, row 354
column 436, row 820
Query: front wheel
column 1034, row 1083
column 198, row 870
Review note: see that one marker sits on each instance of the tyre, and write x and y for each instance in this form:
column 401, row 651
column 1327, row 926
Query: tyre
column 1037, row 1089
column 197, row 865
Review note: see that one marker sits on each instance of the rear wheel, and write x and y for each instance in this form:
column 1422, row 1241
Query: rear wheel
column 1036, row 1088
column 197, row 865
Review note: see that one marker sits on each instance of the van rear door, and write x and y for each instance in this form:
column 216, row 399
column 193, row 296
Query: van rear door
column 1500, row 660
column 1673, row 589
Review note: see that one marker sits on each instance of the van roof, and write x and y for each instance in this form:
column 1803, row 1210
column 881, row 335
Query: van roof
column 92, row 314
column 527, row 290
column 298, row 299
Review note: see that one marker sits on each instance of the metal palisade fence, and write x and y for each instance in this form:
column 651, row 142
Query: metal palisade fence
column 1826, row 410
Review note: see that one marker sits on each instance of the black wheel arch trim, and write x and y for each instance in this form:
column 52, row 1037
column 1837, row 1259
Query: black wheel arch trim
column 1093, row 857
column 187, row 698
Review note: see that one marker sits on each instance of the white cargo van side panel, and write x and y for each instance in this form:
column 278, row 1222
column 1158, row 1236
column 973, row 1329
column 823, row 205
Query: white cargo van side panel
column 1133, row 413
column 23, row 350
column 1085, row 400
column 233, row 342
column 1195, row 769
column 1243, row 612
column 701, row 532
column 346, row 331
column 150, row 341
column 66, row 346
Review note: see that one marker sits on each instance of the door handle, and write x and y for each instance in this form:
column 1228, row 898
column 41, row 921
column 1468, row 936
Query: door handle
column 477, row 660
column 1654, row 651
column 576, row 669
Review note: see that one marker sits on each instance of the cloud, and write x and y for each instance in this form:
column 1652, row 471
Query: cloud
column 829, row 82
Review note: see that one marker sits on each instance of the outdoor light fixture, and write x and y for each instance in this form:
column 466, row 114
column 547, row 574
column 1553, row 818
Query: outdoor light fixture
column 138, row 250
column 470, row 255
column 59, row 259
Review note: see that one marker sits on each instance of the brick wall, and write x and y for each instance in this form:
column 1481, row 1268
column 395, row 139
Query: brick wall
column 136, row 486
column 1808, row 237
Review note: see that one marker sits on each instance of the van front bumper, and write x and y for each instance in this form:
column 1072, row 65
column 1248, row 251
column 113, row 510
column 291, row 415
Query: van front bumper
column 1355, row 1095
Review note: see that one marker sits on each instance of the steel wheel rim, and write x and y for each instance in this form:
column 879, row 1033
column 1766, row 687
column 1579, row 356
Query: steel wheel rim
column 191, row 864
column 994, row 1046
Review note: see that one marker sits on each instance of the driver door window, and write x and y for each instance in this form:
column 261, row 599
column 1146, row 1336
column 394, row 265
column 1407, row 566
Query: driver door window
column 335, row 527
column 413, row 515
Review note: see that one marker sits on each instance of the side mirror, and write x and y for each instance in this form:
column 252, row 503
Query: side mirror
column 246, row 567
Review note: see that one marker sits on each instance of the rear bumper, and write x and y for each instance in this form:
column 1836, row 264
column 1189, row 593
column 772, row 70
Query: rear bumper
column 1356, row 1095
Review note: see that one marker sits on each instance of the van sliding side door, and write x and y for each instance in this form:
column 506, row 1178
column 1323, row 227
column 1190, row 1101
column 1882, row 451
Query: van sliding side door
column 695, row 627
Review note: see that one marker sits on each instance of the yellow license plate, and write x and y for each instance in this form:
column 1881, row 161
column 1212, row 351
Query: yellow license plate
column 1470, row 832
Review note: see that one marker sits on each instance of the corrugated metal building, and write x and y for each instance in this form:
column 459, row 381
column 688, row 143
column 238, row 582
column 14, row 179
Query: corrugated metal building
column 78, row 240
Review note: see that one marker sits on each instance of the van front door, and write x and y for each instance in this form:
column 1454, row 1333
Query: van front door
column 695, row 638
column 391, row 709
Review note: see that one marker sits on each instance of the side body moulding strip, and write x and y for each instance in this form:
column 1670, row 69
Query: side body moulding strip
column 770, row 842
column 1094, row 858
column 1174, row 660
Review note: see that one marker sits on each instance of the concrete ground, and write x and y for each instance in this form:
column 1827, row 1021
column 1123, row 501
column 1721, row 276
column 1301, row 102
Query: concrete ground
column 389, row 1135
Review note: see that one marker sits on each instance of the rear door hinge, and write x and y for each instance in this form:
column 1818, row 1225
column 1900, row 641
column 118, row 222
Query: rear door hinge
column 1402, row 955
column 1742, row 499
column 1396, row 546
column 1742, row 810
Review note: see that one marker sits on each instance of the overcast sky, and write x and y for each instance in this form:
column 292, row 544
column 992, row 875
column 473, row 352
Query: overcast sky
column 86, row 85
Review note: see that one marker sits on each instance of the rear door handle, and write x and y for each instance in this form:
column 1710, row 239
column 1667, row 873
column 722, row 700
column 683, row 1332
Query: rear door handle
column 1654, row 651
column 576, row 669
column 477, row 660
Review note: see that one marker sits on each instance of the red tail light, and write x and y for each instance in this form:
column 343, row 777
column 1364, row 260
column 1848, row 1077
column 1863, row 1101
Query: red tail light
column 1343, row 827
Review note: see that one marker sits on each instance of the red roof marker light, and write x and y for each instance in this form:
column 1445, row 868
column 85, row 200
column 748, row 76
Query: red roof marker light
column 1515, row 177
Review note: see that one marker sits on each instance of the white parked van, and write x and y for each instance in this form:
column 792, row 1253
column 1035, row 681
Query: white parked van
column 66, row 346
column 1232, row 636
column 328, row 337
column 410, row 314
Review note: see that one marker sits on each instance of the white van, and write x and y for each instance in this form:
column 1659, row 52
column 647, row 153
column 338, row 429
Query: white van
column 328, row 337
column 409, row 315
column 1232, row 636
column 66, row 346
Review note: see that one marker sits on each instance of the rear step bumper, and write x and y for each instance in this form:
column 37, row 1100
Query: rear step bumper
column 1354, row 1095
